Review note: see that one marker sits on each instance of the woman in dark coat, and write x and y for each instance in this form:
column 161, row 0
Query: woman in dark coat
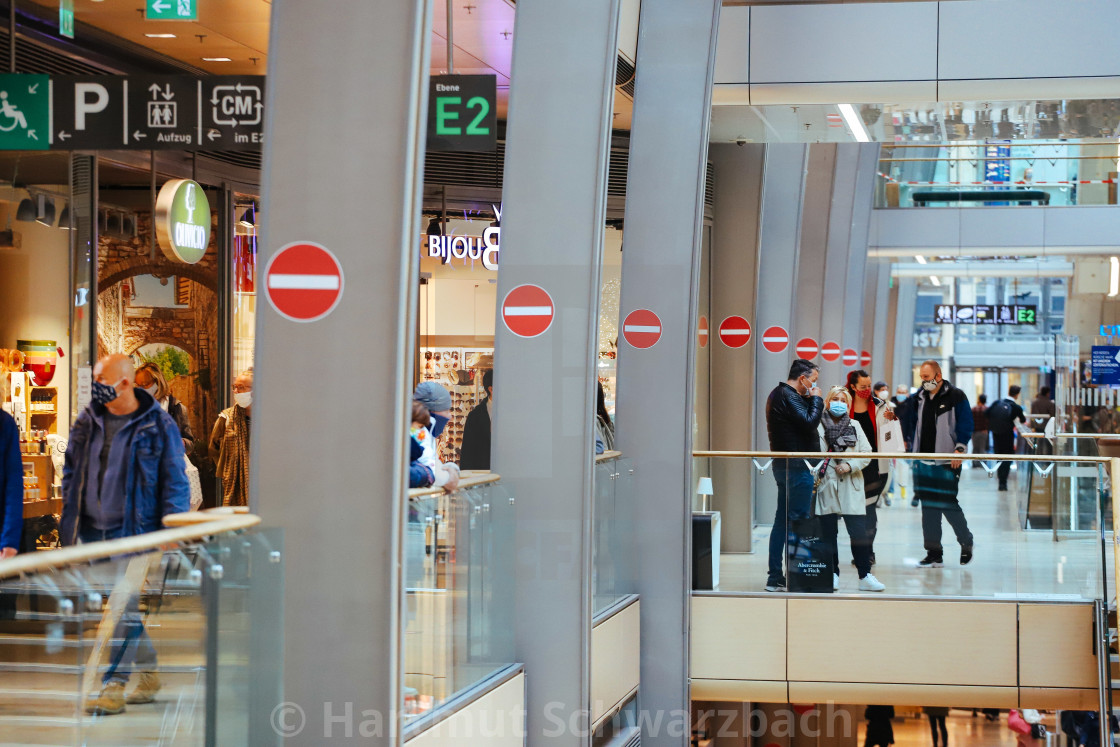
column 880, row 733
column 149, row 377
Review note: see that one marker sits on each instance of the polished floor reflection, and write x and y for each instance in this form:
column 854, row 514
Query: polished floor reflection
column 1009, row 561
column 964, row 730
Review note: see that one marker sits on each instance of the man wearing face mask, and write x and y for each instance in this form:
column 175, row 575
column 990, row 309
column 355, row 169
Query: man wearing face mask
column 124, row 471
column 793, row 412
column 938, row 419
column 438, row 401
column 229, row 442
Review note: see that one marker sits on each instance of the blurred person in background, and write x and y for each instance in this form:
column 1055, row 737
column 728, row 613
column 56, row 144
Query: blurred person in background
column 229, row 442
column 150, row 378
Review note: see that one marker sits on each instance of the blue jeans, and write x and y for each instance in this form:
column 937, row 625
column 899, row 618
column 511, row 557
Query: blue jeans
column 795, row 492
column 132, row 647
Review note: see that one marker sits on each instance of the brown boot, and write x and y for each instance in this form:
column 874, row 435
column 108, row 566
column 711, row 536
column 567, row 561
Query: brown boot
column 146, row 689
column 109, row 702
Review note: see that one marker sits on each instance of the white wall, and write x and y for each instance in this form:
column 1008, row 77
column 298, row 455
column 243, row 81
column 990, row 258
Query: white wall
column 35, row 294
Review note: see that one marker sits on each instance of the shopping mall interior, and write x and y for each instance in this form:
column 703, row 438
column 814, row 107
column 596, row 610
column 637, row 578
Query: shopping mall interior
column 583, row 325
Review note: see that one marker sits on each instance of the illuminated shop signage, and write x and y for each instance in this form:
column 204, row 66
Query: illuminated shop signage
column 183, row 221
column 482, row 248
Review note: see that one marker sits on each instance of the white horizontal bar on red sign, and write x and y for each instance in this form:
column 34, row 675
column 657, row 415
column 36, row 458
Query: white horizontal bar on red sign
column 527, row 310
column 304, row 282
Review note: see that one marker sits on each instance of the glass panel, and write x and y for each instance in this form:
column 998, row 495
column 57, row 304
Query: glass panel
column 458, row 582
column 1039, row 538
column 611, row 572
column 176, row 622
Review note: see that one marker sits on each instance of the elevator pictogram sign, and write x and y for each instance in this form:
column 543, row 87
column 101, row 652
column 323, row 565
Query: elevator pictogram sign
column 528, row 311
column 304, row 281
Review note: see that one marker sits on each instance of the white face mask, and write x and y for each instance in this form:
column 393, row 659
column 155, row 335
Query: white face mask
column 152, row 390
column 930, row 386
column 243, row 399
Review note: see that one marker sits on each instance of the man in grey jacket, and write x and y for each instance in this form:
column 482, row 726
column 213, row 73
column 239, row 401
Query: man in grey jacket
column 938, row 420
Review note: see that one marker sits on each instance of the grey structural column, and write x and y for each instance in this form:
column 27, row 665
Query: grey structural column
column 660, row 272
column 734, row 274
column 343, row 166
column 779, row 243
column 860, row 181
column 904, row 308
column 553, row 221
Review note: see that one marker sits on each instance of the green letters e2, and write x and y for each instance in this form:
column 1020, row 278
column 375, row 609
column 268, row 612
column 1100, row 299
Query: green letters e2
column 443, row 116
column 483, row 109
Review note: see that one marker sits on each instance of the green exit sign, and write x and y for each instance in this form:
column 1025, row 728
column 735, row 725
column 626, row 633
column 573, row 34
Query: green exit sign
column 66, row 18
column 171, row 10
column 463, row 113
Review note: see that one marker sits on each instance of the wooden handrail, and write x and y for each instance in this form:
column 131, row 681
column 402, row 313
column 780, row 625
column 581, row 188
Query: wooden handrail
column 189, row 518
column 51, row 560
column 607, row 456
column 907, row 456
column 467, row 479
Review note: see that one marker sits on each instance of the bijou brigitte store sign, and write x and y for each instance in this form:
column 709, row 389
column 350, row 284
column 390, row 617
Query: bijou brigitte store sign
column 469, row 249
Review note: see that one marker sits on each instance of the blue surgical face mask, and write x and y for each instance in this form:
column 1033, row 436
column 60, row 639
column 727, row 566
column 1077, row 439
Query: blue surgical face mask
column 103, row 394
column 437, row 427
column 838, row 408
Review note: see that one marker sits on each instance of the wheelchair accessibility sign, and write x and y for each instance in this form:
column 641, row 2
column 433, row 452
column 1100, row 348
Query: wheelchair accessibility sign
column 25, row 111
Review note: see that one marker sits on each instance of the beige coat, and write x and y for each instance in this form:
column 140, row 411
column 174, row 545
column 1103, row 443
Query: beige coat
column 837, row 493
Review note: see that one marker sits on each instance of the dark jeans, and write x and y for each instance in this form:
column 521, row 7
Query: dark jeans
column 872, row 526
column 131, row 644
column 857, row 531
column 1003, row 444
column 795, row 490
column 934, row 722
column 936, row 486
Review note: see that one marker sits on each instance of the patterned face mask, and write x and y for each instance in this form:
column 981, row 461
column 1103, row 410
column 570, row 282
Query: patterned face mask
column 103, row 394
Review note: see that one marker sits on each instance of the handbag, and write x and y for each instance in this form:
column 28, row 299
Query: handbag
column 195, row 482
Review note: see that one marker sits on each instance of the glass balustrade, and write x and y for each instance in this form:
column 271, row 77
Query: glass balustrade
column 459, row 569
column 935, row 529
column 201, row 620
column 612, row 574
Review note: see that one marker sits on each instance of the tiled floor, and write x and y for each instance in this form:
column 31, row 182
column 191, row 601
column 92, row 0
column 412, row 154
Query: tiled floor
column 964, row 731
column 1009, row 561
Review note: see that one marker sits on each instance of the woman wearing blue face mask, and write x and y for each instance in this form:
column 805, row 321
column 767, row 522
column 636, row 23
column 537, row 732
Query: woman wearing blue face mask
column 840, row 489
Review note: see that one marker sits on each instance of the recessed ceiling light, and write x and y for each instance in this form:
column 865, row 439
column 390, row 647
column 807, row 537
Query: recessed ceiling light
column 157, row 36
column 216, row 59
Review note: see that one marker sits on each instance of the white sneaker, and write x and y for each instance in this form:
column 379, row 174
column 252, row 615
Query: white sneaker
column 870, row 583
column 836, row 582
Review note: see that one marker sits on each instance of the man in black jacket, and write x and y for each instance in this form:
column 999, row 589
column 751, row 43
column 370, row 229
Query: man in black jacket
column 1002, row 417
column 793, row 412
column 476, row 431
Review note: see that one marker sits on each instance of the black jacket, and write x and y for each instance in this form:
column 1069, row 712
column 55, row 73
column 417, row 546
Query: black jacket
column 476, row 439
column 1003, row 415
column 879, row 728
column 178, row 413
column 792, row 420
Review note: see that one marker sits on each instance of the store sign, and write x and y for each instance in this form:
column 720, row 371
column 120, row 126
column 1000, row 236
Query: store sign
column 1106, row 365
column 66, row 18
column 985, row 314
column 25, row 111
column 183, row 221
column 171, row 10
column 463, row 113
column 482, row 248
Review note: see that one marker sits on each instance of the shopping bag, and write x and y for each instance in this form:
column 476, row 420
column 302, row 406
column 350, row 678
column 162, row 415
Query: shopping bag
column 890, row 438
column 808, row 557
column 195, row 483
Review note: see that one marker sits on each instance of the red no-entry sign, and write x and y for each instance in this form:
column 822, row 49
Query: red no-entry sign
column 642, row 328
column 865, row 358
column 735, row 332
column 851, row 357
column 528, row 311
column 806, row 348
column 703, row 333
column 304, row 281
column 775, row 339
column 830, row 351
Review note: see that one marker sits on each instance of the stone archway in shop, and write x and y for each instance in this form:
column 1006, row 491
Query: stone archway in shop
column 115, row 271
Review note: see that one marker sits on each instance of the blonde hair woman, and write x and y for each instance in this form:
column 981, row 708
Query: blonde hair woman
column 840, row 490
column 150, row 379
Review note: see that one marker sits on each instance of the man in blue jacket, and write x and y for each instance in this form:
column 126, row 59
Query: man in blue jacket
column 938, row 420
column 11, row 487
column 124, row 472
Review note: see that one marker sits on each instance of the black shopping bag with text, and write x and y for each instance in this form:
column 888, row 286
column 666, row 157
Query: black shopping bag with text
column 808, row 557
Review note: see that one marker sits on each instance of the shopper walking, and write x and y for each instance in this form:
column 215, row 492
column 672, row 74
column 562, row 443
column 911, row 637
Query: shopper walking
column 840, row 490
column 11, row 486
column 938, row 419
column 793, row 412
column 438, row 401
column 419, row 475
column 604, row 426
column 936, row 716
column 980, row 426
column 476, row 430
column 880, row 731
column 1042, row 409
column 124, row 471
column 149, row 377
column 1002, row 417
column 229, row 442
column 872, row 414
